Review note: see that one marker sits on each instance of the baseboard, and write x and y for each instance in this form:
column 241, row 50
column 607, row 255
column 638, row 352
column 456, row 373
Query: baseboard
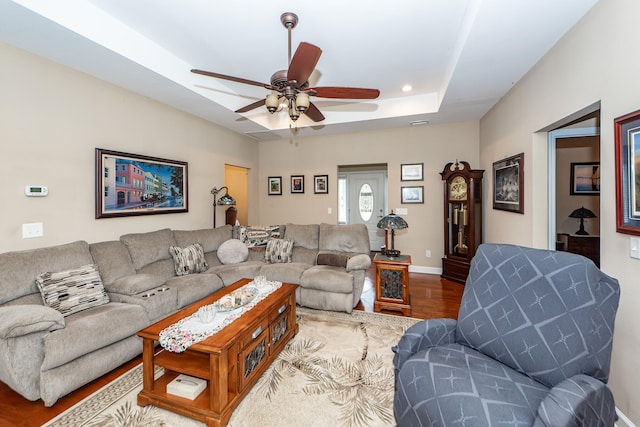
column 425, row 270
column 623, row 421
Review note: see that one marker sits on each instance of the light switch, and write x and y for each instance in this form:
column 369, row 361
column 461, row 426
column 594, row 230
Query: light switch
column 634, row 247
column 329, row 211
column 34, row 229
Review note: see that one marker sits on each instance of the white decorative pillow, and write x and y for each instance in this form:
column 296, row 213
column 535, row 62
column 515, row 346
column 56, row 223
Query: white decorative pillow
column 256, row 235
column 278, row 250
column 73, row 290
column 188, row 260
column 232, row 251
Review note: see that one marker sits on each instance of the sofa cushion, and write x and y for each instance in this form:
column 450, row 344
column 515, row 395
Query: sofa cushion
column 188, row 260
column 328, row 279
column 21, row 320
column 233, row 272
column 113, row 260
column 74, row 290
column 146, row 248
column 344, row 238
column 290, row 272
column 278, row 251
column 132, row 285
column 209, row 238
column 303, row 235
column 194, row 287
column 232, row 251
column 91, row 330
column 18, row 269
column 256, row 235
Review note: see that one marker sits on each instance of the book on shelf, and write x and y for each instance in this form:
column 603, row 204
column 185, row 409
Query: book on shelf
column 186, row 386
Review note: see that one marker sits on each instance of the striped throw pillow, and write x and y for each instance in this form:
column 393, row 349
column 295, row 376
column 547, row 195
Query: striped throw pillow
column 278, row 250
column 73, row 290
column 188, row 260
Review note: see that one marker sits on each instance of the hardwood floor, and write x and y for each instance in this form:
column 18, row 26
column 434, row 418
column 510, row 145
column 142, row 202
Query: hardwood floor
column 431, row 297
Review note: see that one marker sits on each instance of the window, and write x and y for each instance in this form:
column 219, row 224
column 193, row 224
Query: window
column 365, row 202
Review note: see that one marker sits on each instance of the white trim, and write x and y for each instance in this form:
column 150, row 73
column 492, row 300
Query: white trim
column 426, row 270
column 623, row 418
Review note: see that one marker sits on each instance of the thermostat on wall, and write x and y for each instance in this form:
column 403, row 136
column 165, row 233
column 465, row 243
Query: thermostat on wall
column 36, row 190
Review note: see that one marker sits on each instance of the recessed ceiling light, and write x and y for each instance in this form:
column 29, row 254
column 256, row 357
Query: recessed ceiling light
column 407, row 88
column 419, row 122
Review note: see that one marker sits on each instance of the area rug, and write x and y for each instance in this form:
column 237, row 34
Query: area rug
column 337, row 371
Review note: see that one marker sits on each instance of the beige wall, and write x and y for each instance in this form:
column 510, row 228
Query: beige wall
column 52, row 119
column 596, row 61
column 433, row 145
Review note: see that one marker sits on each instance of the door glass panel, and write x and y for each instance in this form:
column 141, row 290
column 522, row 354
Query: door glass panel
column 365, row 202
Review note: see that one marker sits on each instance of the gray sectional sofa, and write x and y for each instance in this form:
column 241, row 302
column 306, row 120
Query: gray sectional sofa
column 45, row 354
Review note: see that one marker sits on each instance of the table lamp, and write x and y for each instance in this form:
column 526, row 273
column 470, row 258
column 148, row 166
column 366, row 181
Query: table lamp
column 392, row 222
column 582, row 213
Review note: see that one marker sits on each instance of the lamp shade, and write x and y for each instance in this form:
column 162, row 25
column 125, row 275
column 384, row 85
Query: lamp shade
column 226, row 200
column 392, row 222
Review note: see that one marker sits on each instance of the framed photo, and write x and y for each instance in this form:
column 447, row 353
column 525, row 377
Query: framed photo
column 321, row 184
column 297, row 183
column 412, row 172
column 627, row 158
column 131, row 184
column 508, row 184
column 412, row 194
column 585, row 179
column 274, row 185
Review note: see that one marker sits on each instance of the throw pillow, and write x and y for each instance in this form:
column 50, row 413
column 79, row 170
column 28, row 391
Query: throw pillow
column 232, row 251
column 256, row 235
column 73, row 290
column 188, row 260
column 278, row 250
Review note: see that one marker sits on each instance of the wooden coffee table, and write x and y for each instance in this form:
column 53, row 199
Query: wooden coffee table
column 231, row 360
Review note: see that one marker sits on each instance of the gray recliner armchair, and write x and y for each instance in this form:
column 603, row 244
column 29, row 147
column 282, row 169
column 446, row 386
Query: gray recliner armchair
column 531, row 346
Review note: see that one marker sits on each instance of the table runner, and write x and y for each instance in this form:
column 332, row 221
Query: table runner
column 190, row 330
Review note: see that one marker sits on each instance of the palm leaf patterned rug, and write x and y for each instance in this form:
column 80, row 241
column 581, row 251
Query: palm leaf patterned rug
column 336, row 371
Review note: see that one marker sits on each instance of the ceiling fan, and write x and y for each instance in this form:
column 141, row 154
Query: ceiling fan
column 291, row 86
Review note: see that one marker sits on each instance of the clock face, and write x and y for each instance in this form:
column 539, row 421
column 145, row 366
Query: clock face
column 458, row 188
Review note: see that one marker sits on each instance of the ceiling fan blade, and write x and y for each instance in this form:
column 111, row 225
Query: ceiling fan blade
column 233, row 79
column 251, row 106
column 344, row 92
column 303, row 62
column 313, row 113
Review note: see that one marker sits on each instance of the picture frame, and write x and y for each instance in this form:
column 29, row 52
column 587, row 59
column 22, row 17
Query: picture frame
column 412, row 172
column 412, row 194
column 133, row 184
column 321, row 184
column 585, row 179
column 627, row 156
column 274, row 186
column 297, row 184
column 508, row 184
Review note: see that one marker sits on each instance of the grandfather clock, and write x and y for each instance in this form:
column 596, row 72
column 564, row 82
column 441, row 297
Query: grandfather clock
column 462, row 218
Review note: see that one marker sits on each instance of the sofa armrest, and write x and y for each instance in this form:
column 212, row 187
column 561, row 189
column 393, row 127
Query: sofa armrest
column 576, row 401
column 424, row 334
column 358, row 262
column 19, row 320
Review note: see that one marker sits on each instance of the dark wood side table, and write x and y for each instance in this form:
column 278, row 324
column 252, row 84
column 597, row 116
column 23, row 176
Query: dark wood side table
column 392, row 283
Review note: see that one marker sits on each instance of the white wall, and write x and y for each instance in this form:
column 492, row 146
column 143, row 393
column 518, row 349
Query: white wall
column 433, row 145
column 595, row 61
column 51, row 120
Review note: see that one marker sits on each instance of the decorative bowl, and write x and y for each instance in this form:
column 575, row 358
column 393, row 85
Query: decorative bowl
column 207, row 313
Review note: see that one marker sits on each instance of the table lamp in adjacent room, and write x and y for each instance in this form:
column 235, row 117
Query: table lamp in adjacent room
column 582, row 213
column 392, row 222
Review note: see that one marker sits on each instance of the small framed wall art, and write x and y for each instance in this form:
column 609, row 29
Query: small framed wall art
column 321, row 184
column 585, row 179
column 414, row 194
column 297, row 183
column 274, row 185
column 508, row 184
column 412, row 172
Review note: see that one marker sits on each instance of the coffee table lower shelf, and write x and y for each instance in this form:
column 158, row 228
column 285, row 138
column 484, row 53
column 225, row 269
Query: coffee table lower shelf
column 231, row 361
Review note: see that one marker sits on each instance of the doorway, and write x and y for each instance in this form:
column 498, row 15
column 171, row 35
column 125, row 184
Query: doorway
column 236, row 178
column 362, row 198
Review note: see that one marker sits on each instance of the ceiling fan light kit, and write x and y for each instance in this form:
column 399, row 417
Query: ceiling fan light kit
column 292, row 86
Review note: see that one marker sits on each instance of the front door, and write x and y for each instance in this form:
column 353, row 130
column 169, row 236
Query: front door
column 367, row 203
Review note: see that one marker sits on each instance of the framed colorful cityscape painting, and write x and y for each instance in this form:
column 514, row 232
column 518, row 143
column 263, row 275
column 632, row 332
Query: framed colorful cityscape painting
column 132, row 184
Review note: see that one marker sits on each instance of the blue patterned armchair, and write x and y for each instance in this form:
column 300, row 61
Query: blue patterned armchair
column 531, row 346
